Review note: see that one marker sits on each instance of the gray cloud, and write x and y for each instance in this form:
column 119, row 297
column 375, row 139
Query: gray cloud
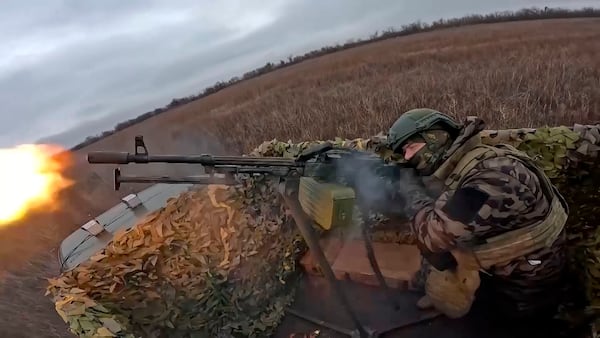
column 77, row 68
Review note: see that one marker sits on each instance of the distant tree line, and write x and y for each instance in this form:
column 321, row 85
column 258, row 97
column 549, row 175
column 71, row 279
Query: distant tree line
column 416, row 27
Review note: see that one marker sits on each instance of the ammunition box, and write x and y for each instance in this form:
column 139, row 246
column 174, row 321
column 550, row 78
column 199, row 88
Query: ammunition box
column 328, row 204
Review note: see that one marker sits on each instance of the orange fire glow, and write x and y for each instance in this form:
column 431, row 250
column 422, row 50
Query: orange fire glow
column 31, row 176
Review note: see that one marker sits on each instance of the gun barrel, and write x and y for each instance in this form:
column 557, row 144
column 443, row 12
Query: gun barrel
column 176, row 180
column 201, row 179
column 110, row 157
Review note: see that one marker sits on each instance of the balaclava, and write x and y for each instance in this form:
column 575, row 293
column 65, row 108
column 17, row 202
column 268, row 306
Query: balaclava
column 428, row 159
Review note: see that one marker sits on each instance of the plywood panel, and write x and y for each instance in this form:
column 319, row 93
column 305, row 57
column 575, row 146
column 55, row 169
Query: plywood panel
column 398, row 263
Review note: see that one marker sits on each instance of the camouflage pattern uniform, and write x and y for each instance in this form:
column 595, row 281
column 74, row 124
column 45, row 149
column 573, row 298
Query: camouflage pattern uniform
column 513, row 199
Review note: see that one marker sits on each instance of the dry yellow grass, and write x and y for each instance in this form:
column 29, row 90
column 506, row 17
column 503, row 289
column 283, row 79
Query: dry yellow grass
column 511, row 74
column 518, row 75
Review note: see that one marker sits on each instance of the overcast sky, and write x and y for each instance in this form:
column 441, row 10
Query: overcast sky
column 76, row 67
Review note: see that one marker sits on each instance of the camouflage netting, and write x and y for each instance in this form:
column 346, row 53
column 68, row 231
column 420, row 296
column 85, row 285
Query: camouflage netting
column 221, row 261
column 208, row 263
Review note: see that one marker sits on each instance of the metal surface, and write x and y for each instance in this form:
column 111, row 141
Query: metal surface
column 93, row 227
column 132, row 200
column 314, row 296
column 81, row 245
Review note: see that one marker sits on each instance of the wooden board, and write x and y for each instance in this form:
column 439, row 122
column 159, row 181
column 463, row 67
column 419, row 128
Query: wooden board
column 331, row 247
column 398, row 263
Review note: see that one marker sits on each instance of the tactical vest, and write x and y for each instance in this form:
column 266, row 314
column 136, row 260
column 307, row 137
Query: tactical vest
column 508, row 246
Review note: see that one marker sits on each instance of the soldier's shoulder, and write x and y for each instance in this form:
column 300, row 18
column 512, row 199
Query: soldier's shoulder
column 503, row 166
column 499, row 162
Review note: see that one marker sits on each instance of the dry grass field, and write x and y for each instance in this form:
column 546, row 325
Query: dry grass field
column 512, row 74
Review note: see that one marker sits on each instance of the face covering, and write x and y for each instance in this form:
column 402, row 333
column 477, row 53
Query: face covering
column 426, row 160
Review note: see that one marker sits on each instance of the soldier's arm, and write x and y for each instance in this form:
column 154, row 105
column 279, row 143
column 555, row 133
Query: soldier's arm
column 491, row 196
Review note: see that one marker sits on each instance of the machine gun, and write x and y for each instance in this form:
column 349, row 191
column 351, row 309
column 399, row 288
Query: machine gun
column 323, row 178
column 317, row 186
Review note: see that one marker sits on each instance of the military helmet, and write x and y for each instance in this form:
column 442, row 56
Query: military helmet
column 416, row 121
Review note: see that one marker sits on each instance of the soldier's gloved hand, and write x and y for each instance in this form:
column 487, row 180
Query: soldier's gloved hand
column 425, row 303
column 395, row 198
column 376, row 193
column 411, row 190
column 452, row 291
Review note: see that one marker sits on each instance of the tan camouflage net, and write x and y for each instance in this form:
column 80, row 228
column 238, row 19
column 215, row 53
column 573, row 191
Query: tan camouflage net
column 220, row 261
column 205, row 263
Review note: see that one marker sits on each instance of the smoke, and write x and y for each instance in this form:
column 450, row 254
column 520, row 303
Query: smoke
column 375, row 191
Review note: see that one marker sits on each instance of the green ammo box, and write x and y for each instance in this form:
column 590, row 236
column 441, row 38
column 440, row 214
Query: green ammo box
column 328, row 204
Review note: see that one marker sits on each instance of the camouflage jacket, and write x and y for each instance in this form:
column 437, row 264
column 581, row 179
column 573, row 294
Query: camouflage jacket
column 515, row 199
column 498, row 195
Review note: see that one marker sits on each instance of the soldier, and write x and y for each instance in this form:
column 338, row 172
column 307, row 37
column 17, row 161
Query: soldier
column 494, row 215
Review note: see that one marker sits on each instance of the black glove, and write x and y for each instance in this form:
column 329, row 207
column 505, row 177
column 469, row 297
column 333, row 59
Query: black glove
column 395, row 197
column 416, row 197
column 408, row 193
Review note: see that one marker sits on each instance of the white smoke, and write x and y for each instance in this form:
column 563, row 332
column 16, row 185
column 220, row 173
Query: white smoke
column 375, row 192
